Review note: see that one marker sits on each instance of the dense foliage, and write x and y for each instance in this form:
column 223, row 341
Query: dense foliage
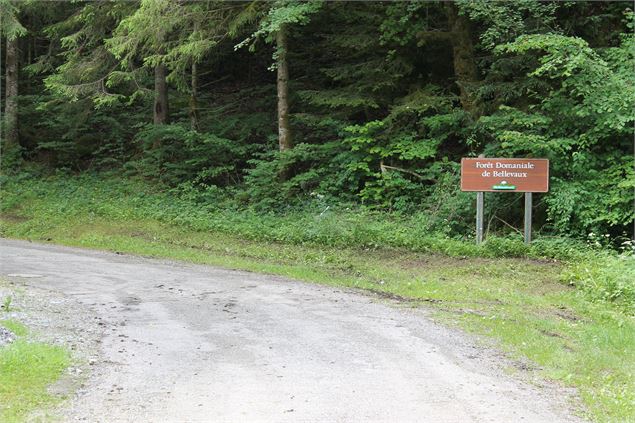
column 382, row 100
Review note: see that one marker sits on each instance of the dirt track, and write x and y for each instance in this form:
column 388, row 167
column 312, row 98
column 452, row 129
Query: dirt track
column 187, row 343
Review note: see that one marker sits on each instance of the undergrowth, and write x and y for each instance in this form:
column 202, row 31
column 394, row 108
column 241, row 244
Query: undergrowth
column 601, row 273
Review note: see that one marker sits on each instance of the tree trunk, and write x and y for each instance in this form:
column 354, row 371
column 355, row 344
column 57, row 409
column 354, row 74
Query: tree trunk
column 161, row 112
column 11, row 105
column 29, row 61
column 285, row 140
column 465, row 69
column 194, row 99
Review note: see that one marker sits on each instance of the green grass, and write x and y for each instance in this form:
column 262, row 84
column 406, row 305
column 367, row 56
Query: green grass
column 14, row 326
column 26, row 370
column 583, row 338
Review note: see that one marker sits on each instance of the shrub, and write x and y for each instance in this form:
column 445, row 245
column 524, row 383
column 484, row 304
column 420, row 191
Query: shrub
column 605, row 277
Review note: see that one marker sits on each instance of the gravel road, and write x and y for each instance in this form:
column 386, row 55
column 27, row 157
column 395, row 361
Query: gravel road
column 188, row 343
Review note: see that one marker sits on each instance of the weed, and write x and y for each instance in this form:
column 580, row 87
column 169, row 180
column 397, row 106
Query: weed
column 6, row 304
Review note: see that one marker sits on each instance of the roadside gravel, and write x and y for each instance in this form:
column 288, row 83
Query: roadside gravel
column 6, row 336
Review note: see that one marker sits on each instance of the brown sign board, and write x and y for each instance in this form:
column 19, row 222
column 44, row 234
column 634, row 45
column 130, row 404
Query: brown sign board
column 495, row 175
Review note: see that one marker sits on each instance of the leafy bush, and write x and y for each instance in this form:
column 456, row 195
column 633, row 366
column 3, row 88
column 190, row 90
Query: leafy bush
column 605, row 277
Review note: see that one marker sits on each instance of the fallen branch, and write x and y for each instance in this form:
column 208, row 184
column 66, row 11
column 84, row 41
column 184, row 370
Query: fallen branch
column 384, row 167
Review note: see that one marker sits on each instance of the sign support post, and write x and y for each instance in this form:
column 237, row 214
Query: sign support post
column 479, row 217
column 481, row 175
column 528, row 205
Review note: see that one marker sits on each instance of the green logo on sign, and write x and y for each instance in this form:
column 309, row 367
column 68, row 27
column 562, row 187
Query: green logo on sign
column 504, row 186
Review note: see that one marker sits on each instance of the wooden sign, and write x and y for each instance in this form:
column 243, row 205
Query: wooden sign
column 500, row 175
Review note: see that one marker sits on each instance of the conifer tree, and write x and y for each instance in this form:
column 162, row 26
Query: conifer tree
column 11, row 29
column 274, row 27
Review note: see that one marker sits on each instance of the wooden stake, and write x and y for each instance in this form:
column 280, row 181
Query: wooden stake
column 528, row 205
column 479, row 213
column 479, row 217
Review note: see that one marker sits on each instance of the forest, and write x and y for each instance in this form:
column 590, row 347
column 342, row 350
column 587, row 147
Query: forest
column 275, row 106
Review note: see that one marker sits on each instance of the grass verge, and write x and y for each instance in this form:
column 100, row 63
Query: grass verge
column 26, row 370
column 569, row 335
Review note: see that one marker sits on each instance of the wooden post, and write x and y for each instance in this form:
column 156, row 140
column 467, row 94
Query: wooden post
column 479, row 213
column 528, row 205
column 479, row 217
